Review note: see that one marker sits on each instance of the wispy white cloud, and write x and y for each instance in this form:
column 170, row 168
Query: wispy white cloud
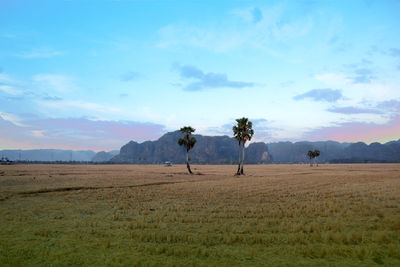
column 4, row 78
column 54, row 82
column 40, row 87
column 232, row 34
column 9, row 90
column 8, row 35
column 182, row 35
column 9, row 86
column 359, row 84
column 38, row 133
column 14, row 119
column 40, row 53
column 97, row 108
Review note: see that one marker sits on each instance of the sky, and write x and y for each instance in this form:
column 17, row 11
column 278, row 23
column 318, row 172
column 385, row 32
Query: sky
column 97, row 74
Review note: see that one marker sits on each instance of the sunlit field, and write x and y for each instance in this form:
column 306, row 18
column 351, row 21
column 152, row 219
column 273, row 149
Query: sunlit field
column 155, row 215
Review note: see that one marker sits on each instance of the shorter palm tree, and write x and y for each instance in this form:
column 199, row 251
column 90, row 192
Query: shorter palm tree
column 188, row 142
column 243, row 132
column 316, row 155
column 238, row 136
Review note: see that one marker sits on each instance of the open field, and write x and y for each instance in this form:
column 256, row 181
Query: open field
column 155, row 215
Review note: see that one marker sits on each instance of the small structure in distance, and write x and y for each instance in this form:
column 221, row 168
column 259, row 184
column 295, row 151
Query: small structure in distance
column 168, row 164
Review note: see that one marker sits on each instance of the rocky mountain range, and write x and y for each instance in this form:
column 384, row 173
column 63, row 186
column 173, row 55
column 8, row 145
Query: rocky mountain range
column 224, row 150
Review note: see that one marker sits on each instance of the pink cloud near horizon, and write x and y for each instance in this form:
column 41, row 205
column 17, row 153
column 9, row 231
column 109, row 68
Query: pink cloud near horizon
column 358, row 131
column 75, row 133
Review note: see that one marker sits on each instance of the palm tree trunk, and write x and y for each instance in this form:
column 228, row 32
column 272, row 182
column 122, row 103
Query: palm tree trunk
column 187, row 162
column 241, row 169
column 238, row 170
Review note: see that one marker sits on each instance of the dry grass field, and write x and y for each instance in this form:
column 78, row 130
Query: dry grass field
column 154, row 215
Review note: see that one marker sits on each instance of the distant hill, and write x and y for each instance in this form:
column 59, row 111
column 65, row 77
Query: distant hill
column 103, row 156
column 48, row 155
column 52, row 155
column 335, row 152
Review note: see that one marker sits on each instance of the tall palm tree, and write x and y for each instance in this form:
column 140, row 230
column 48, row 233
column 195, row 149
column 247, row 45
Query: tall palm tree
column 311, row 155
column 316, row 155
column 188, row 142
column 238, row 136
column 244, row 133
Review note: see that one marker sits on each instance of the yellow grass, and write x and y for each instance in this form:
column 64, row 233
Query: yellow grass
column 155, row 215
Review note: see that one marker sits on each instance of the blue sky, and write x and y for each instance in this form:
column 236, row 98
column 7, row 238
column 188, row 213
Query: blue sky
column 96, row 74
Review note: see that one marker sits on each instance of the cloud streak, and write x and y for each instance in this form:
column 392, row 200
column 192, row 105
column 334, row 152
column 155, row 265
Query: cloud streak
column 130, row 76
column 9, row 86
column 354, row 110
column 40, row 53
column 61, row 104
column 326, row 95
column 207, row 80
column 54, row 82
column 51, row 98
column 12, row 118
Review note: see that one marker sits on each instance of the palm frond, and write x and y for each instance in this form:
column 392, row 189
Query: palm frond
column 187, row 141
column 187, row 130
column 181, row 141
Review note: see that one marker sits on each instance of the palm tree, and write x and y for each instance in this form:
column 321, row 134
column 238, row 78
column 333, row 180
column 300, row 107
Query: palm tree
column 188, row 142
column 316, row 155
column 238, row 137
column 244, row 133
column 311, row 155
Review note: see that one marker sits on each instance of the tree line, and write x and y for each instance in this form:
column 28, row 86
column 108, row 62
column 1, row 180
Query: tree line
column 243, row 131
